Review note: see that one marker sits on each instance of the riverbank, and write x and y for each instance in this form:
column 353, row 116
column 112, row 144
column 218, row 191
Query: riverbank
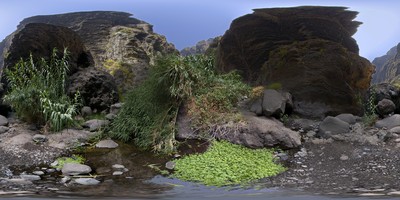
column 362, row 163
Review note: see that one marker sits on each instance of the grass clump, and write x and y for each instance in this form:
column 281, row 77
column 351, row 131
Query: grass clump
column 60, row 162
column 149, row 114
column 37, row 91
column 227, row 164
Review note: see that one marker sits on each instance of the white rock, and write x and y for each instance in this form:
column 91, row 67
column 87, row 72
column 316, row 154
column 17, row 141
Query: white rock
column 118, row 166
column 395, row 193
column 344, row 157
column 39, row 173
column 109, row 144
column 87, row 181
column 117, row 173
column 75, row 169
column 30, row 177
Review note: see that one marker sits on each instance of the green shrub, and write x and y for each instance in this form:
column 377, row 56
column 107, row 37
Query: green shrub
column 370, row 115
column 37, row 91
column 150, row 111
column 227, row 164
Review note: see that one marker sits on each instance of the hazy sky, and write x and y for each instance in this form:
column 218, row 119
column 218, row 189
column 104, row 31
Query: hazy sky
column 184, row 22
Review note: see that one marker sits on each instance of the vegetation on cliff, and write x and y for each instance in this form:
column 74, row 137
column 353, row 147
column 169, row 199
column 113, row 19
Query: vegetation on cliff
column 227, row 164
column 37, row 91
column 149, row 115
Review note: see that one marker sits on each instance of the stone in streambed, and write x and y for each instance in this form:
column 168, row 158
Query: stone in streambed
column 108, row 144
column 75, row 169
column 87, row 181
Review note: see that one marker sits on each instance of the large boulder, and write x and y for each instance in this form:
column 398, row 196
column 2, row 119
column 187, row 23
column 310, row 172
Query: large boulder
column 97, row 88
column 309, row 51
column 385, row 107
column 123, row 45
column 389, row 122
column 333, row 126
column 261, row 132
column 273, row 103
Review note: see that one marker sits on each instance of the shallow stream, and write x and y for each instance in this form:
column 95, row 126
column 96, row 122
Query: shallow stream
column 143, row 181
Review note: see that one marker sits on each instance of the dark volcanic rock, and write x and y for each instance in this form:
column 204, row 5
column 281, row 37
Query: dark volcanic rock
column 308, row 50
column 97, row 88
column 385, row 107
column 382, row 91
column 40, row 40
column 333, row 126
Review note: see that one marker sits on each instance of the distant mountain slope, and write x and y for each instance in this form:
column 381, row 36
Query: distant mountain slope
column 387, row 66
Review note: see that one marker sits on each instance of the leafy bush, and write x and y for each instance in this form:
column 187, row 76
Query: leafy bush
column 37, row 91
column 150, row 111
column 227, row 164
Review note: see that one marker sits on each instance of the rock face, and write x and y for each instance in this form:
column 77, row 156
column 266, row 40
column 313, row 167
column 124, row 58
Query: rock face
column 122, row 45
column 40, row 39
column 309, row 51
column 387, row 66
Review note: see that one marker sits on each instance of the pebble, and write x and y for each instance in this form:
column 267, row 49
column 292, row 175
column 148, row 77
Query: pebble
column 39, row 138
column 117, row 173
column 170, row 165
column 283, row 156
column 118, row 166
column 344, row 157
column 39, row 173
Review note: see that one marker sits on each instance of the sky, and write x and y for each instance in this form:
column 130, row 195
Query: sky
column 185, row 22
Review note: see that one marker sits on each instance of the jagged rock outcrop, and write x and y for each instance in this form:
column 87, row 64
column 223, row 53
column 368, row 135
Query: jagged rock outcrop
column 307, row 50
column 387, row 66
column 40, row 39
column 120, row 44
column 201, row 47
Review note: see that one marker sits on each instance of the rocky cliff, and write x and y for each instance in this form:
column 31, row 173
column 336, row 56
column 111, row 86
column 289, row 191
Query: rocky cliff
column 120, row 44
column 387, row 66
column 201, row 47
column 308, row 51
column 100, row 43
